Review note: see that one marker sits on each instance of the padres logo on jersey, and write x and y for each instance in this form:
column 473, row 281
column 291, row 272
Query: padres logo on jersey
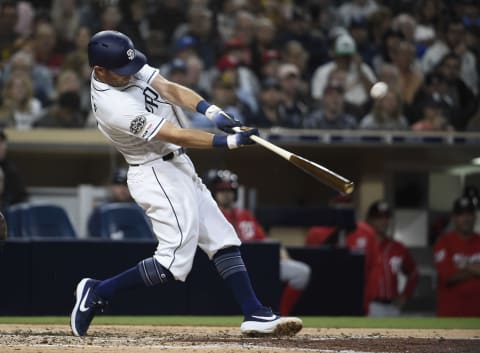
column 137, row 124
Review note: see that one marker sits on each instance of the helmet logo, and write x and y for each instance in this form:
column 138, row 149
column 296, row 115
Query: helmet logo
column 130, row 54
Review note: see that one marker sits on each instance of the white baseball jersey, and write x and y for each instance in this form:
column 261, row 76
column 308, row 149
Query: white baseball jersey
column 131, row 116
column 181, row 208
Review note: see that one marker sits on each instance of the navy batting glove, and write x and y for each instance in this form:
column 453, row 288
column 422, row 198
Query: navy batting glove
column 236, row 140
column 222, row 120
column 243, row 138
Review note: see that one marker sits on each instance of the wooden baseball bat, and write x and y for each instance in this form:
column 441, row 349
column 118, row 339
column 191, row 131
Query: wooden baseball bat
column 324, row 175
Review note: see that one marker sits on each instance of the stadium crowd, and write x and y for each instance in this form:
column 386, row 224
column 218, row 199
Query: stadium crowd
column 292, row 64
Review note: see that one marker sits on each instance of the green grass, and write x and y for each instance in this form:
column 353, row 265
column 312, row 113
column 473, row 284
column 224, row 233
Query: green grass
column 309, row 321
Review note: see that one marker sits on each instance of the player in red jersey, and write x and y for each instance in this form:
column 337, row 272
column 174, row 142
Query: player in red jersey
column 296, row 274
column 457, row 259
column 390, row 259
column 385, row 259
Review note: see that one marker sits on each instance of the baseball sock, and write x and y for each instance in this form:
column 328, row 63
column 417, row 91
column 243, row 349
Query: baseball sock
column 146, row 273
column 230, row 266
column 290, row 297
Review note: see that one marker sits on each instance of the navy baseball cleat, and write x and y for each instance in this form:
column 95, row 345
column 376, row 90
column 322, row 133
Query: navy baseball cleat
column 265, row 322
column 86, row 306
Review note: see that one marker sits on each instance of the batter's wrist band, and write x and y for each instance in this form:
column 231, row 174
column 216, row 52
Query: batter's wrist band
column 229, row 141
column 202, row 106
column 212, row 111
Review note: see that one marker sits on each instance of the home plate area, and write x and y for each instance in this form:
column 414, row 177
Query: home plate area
column 133, row 339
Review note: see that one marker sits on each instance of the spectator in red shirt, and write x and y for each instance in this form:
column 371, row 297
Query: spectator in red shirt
column 457, row 259
column 390, row 259
column 296, row 274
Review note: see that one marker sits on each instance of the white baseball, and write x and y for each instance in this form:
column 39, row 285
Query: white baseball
column 378, row 90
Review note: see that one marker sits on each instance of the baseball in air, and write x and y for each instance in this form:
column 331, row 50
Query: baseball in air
column 378, row 90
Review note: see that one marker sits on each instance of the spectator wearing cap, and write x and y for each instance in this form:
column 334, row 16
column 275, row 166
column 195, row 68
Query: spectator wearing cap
column 14, row 187
column 331, row 114
column 177, row 71
column 293, row 92
column 269, row 113
column 118, row 192
column 391, row 259
column 452, row 39
column 457, row 260
column 236, row 57
column 359, row 75
column 270, row 61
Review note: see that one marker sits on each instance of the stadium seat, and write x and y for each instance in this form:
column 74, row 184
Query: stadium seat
column 13, row 216
column 119, row 221
column 45, row 220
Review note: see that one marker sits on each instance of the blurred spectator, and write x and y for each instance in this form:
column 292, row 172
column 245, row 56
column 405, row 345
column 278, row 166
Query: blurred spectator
column 65, row 20
column 263, row 43
column 356, row 8
column 20, row 109
column 46, row 49
column 172, row 12
column 136, row 23
column 8, row 36
column 331, row 114
column 25, row 17
column 23, row 62
column 379, row 23
column 294, row 53
column 64, row 113
column 389, row 74
column 224, row 186
column 226, row 17
column 177, row 71
column 359, row 75
column 244, row 27
column 224, row 95
column 325, row 16
column 200, row 27
column 270, row 62
column 433, row 118
column 359, row 31
column 410, row 77
column 453, row 40
column 14, row 188
column 390, row 41
column 462, row 100
column 457, row 259
column 236, row 57
column 390, row 261
column 69, row 81
column 428, row 14
column 299, row 28
column 293, row 92
column 269, row 113
column 406, row 25
column 386, row 114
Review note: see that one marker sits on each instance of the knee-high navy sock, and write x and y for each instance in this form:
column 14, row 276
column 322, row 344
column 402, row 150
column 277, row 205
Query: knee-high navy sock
column 146, row 273
column 230, row 266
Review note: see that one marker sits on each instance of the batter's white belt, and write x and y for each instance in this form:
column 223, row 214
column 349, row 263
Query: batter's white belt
column 167, row 157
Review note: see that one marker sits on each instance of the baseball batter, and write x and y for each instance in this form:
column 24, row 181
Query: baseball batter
column 137, row 110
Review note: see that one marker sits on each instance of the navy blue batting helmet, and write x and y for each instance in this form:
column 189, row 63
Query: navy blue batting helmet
column 115, row 52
